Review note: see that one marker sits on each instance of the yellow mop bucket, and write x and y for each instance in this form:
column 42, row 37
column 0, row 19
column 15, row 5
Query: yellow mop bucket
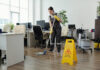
column 96, row 45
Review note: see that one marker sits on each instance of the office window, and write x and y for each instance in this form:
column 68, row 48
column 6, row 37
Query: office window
column 4, row 1
column 14, row 9
column 24, row 4
column 4, row 11
column 23, row 15
column 14, row 17
column 31, row 7
column 15, row 3
column 3, row 22
column 20, row 11
column 23, row 10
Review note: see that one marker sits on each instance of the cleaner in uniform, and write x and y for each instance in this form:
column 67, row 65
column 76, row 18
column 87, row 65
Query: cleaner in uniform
column 55, row 29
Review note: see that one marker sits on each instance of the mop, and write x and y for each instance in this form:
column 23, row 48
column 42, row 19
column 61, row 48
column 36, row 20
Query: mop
column 45, row 51
column 47, row 41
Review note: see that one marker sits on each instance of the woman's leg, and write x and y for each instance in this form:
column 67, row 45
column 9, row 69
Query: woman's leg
column 58, row 38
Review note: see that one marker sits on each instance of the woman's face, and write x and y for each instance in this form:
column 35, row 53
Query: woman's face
column 51, row 12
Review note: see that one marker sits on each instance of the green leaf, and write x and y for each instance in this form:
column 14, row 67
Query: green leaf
column 63, row 16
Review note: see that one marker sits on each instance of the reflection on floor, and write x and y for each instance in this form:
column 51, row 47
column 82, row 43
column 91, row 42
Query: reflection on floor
column 52, row 61
column 2, row 66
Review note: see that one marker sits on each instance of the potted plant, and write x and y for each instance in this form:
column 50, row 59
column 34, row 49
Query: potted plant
column 98, row 11
column 8, row 27
column 12, row 26
column 63, row 16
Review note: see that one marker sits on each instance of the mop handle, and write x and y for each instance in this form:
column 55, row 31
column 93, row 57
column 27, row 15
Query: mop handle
column 55, row 18
column 52, row 32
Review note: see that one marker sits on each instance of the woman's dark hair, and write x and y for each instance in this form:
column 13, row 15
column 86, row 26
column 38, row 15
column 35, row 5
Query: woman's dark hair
column 51, row 8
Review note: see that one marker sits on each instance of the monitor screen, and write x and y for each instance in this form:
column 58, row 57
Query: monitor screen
column 71, row 26
column 41, row 23
column 0, row 30
column 29, row 25
column 47, row 26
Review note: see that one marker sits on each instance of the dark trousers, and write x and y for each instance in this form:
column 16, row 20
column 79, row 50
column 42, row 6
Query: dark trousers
column 56, row 34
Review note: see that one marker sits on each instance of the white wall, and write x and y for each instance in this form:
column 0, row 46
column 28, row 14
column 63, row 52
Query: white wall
column 79, row 12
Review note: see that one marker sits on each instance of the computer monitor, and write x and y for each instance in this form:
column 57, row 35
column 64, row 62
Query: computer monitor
column 0, row 30
column 27, row 25
column 47, row 26
column 80, row 31
column 71, row 26
column 41, row 23
column 17, row 23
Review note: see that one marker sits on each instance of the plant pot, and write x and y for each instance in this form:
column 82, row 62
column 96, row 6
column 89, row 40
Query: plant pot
column 64, row 30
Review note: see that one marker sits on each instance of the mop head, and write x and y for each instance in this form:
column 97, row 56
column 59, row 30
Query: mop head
column 41, row 53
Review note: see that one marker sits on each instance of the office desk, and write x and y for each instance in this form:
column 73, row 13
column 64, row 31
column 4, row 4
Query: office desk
column 31, row 38
column 13, row 44
column 48, row 32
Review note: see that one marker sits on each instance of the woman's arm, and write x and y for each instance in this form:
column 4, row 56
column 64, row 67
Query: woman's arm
column 51, row 30
column 57, row 18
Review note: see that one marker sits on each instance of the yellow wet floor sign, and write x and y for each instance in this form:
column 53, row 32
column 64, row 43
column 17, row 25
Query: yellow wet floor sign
column 69, row 55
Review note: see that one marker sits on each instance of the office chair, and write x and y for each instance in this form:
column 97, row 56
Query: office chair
column 38, row 35
column 0, row 54
column 0, row 49
column 2, row 58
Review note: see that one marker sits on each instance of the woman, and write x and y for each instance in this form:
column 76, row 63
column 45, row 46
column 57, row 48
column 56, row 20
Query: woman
column 55, row 29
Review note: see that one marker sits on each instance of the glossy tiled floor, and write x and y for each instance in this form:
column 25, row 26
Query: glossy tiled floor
column 52, row 61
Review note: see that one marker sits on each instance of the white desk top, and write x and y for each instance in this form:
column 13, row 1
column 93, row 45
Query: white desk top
column 9, row 34
column 46, row 31
column 42, row 31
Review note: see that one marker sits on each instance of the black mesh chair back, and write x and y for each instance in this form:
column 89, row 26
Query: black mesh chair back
column 38, row 32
